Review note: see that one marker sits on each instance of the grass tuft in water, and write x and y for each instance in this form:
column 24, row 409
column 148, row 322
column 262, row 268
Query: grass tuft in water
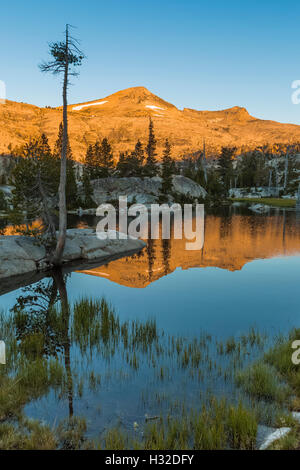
column 261, row 381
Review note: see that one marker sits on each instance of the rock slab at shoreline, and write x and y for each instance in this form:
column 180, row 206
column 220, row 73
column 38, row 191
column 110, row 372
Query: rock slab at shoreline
column 22, row 255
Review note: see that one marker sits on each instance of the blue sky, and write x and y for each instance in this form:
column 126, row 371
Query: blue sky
column 196, row 54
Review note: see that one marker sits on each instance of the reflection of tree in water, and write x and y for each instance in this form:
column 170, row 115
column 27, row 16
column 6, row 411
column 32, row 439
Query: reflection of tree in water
column 254, row 225
column 284, row 231
column 137, row 255
column 151, row 256
column 166, row 252
column 46, row 326
column 36, row 317
column 225, row 226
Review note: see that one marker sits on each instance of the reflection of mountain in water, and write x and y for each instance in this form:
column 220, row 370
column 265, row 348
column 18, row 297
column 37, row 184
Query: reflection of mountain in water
column 230, row 243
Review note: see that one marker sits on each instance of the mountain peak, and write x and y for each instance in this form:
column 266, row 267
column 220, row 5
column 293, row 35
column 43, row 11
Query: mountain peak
column 136, row 89
column 123, row 118
column 238, row 110
column 133, row 93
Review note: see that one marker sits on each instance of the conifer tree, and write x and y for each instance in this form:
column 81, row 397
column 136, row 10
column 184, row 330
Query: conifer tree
column 103, row 160
column 44, row 146
column 151, row 164
column 131, row 164
column 122, row 165
column 65, row 57
column 136, row 160
column 106, row 156
column 3, row 202
column 90, row 160
column 252, row 169
column 226, row 166
column 88, row 174
column 168, row 168
column 35, row 181
column 139, row 153
column 87, row 200
column 71, row 186
column 214, row 186
column 58, row 144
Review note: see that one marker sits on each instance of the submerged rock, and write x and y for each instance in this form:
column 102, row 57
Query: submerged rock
column 22, row 255
column 259, row 208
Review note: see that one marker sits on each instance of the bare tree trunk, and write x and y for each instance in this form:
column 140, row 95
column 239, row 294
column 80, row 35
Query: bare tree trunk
column 270, row 179
column 57, row 258
column 47, row 214
column 63, row 295
column 277, row 177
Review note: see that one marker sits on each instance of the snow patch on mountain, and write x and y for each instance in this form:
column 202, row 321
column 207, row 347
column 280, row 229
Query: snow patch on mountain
column 80, row 107
column 151, row 106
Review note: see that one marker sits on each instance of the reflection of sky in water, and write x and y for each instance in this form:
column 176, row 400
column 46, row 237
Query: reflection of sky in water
column 264, row 293
column 248, row 291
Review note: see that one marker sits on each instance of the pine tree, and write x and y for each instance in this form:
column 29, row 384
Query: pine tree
column 151, row 166
column 131, row 164
column 252, row 169
column 95, row 163
column 225, row 166
column 90, row 161
column 58, row 144
column 214, row 185
column 3, row 202
column 136, row 160
column 122, row 165
column 168, row 167
column 71, row 186
column 87, row 200
column 44, row 146
column 35, row 181
column 139, row 152
column 103, row 159
column 107, row 155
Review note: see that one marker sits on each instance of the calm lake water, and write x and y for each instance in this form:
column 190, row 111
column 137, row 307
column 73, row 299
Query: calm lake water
column 246, row 276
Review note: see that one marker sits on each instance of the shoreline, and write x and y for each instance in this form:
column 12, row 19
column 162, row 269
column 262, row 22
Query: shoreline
column 21, row 259
column 283, row 203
